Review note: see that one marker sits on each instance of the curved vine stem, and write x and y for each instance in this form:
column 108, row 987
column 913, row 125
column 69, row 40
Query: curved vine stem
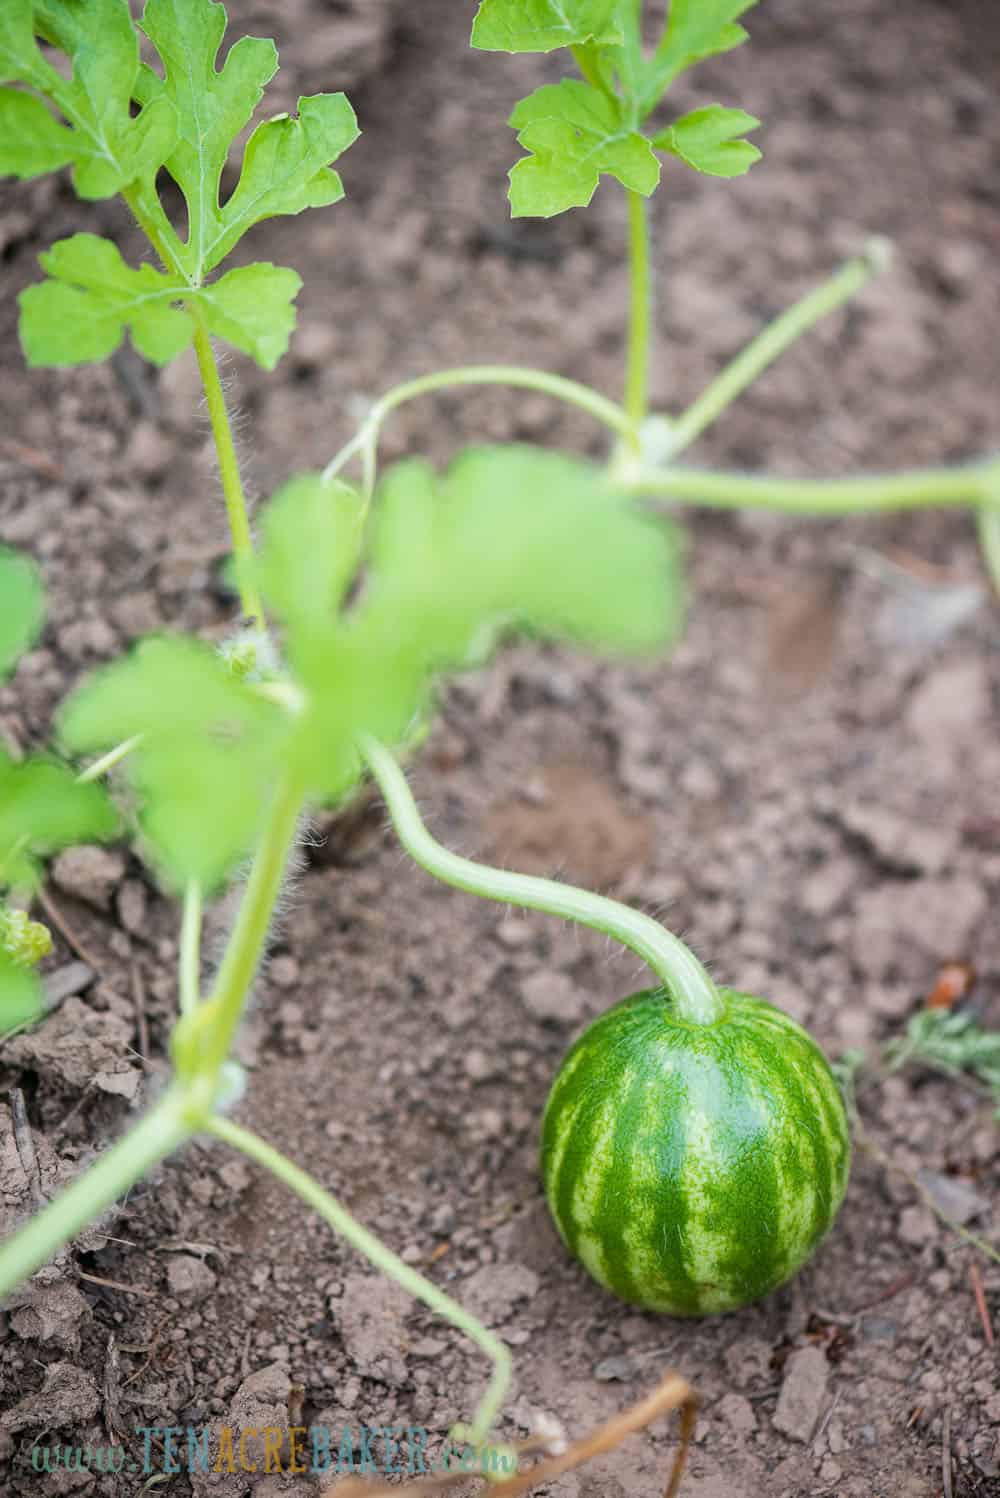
column 975, row 484
column 696, row 998
column 338, row 1218
column 571, row 391
column 779, row 335
column 640, row 318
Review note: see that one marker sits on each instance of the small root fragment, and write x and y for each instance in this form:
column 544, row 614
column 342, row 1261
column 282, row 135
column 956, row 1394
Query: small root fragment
column 673, row 1393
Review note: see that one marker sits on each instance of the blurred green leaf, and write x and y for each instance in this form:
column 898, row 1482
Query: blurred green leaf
column 44, row 808
column 210, row 752
column 20, row 995
column 22, row 606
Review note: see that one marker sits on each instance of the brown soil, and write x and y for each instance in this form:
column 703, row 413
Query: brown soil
column 807, row 788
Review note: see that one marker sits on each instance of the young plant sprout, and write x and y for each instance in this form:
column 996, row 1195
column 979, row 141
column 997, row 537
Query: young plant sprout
column 695, row 1147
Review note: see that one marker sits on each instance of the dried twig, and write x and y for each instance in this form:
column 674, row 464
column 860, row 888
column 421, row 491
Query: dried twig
column 673, row 1393
column 981, row 1306
column 97, row 1279
column 26, row 1145
column 67, row 931
column 30, row 457
column 946, row 1452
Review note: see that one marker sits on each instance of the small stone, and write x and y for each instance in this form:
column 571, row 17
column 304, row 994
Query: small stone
column 478, row 1066
column 803, row 1391
column 442, row 1220
column 954, row 1197
column 412, row 1254
column 551, row 995
column 952, row 703
column 917, row 1225
column 737, row 1413
column 747, row 1361
column 132, row 906
column 190, row 1279
column 89, row 873
column 150, row 450
column 492, row 1292
column 284, row 971
column 235, row 1176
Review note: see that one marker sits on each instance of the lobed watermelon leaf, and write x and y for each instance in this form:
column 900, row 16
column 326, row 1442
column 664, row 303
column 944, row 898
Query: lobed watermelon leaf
column 187, row 121
column 209, row 754
column 576, row 131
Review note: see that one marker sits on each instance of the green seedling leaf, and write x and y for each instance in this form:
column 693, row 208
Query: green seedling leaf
column 574, row 134
column 695, row 29
column 708, row 140
column 543, row 25
column 508, row 538
column 524, row 538
column 286, row 169
column 251, row 308
column 20, row 995
column 312, row 532
column 80, row 315
column 32, row 141
column 43, row 808
column 22, row 606
column 210, row 751
column 286, row 163
column 108, row 146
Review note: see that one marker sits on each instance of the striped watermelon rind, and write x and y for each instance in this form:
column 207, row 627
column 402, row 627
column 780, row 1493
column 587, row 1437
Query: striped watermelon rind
column 694, row 1168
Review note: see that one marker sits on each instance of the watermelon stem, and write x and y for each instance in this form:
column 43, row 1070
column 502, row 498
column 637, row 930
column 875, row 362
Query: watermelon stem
column 693, row 995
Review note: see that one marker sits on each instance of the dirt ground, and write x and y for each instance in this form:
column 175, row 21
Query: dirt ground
column 806, row 790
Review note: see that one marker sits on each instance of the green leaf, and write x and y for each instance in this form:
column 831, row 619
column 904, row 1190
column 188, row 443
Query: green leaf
column 286, row 169
column 210, row 752
column 574, row 133
column 695, row 29
column 543, row 25
column 507, row 538
column 22, row 606
column 286, row 163
column 81, row 314
column 311, row 542
column 20, row 57
column 111, row 147
column 42, row 808
column 251, row 307
column 212, row 106
column 32, row 141
column 523, row 537
column 708, row 140
column 20, row 995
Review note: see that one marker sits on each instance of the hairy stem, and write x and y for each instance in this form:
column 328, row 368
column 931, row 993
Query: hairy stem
column 321, row 1201
column 570, row 391
column 213, row 1024
column 640, row 316
column 157, row 1135
column 696, row 998
column 774, row 340
column 970, row 485
column 229, row 472
column 190, row 956
column 988, row 519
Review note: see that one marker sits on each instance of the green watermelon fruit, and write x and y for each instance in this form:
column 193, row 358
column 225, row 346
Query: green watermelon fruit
column 692, row 1168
